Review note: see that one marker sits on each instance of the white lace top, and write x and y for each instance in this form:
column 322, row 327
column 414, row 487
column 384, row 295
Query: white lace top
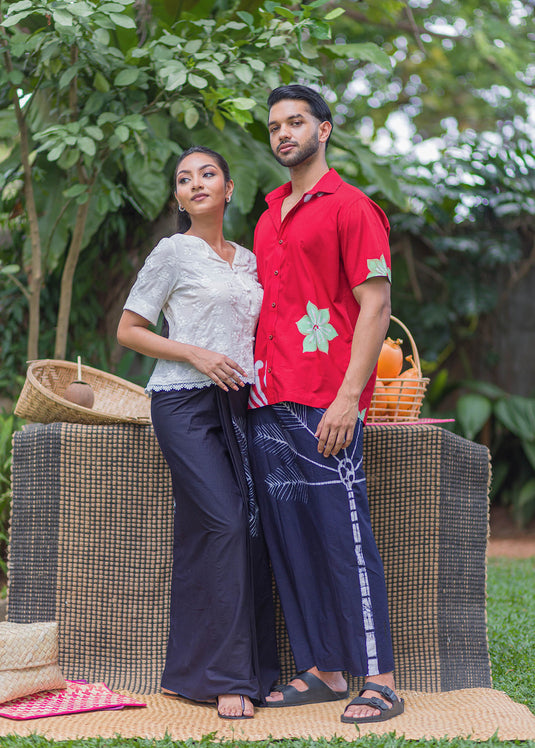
column 206, row 302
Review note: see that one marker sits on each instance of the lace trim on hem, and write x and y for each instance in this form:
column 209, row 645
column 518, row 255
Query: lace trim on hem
column 182, row 386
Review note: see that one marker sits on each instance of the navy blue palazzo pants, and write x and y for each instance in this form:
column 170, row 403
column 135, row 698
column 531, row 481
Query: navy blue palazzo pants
column 221, row 633
column 316, row 521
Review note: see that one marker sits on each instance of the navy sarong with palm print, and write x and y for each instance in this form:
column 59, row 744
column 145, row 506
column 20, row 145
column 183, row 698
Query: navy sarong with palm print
column 316, row 520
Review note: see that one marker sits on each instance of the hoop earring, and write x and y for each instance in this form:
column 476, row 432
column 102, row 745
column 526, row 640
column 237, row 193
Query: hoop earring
column 181, row 209
column 228, row 199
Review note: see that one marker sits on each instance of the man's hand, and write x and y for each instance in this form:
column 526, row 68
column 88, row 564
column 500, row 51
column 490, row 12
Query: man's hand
column 337, row 426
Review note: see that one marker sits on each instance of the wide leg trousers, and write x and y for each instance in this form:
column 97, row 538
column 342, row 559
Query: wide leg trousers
column 221, row 635
column 316, row 521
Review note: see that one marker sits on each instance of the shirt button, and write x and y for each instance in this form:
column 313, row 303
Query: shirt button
column 280, row 241
column 276, row 272
column 270, row 337
column 269, row 371
column 273, row 304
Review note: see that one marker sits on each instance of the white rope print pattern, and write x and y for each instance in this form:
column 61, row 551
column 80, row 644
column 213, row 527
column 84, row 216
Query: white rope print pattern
column 287, row 484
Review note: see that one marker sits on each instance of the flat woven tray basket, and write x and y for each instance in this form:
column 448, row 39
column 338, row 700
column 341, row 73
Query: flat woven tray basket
column 399, row 400
column 116, row 399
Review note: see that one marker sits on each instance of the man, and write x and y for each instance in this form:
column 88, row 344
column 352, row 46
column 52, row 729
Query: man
column 323, row 259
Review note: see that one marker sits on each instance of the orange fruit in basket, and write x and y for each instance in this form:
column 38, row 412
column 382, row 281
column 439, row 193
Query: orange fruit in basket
column 402, row 397
column 379, row 406
column 390, row 360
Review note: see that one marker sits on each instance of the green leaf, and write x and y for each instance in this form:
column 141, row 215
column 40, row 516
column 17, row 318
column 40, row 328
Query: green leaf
column 87, row 145
column 472, row 412
column 75, row 190
column 284, row 12
column 56, row 152
column 278, row 41
column 12, row 20
column 246, row 17
column 94, row 132
column 360, row 51
column 62, row 18
column 9, row 269
column 122, row 133
column 529, row 450
column 67, row 76
column 243, row 103
column 243, row 72
column 218, row 120
column 213, row 68
column 176, row 80
column 191, row 118
column 100, row 83
column 126, row 77
column 79, row 8
column 518, row 415
column 335, row 13
column 15, row 77
column 22, row 5
column 122, row 20
column 193, row 46
column 196, row 81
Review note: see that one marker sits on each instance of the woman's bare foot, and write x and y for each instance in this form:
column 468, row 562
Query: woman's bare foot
column 234, row 705
column 334, row 680
column 360, row 710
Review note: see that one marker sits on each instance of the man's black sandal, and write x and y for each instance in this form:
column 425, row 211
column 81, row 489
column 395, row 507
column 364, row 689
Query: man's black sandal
column 316, row 693
column 386, row 712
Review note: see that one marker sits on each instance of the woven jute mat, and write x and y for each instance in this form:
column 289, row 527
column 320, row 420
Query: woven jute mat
column 477, row 713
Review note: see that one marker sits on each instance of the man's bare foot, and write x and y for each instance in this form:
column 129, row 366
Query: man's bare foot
column 169, row 693
column 234, row 705
column 335, row 681
column 360, row 710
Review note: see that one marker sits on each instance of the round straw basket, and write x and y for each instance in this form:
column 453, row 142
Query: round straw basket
column 116, row 400
column 399, row 400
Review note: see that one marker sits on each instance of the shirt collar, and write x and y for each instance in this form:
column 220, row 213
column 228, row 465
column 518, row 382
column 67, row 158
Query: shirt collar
column 329, row 183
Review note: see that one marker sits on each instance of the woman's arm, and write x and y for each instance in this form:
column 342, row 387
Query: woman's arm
column 133, row 332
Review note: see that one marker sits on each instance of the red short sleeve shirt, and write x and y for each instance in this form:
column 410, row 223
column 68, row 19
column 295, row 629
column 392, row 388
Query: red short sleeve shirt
column 331, row 241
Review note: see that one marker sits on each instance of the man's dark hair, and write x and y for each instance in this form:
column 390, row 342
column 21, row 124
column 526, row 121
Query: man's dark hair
column 316, row 103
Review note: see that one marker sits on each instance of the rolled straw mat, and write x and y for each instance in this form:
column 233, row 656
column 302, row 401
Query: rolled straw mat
column 476, row 713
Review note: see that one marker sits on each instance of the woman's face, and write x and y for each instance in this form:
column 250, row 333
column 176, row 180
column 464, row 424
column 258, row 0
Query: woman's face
column 200, row 185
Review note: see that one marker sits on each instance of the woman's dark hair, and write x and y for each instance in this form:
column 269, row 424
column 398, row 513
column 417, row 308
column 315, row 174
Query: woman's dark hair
column 184, row 221
column 316, row 103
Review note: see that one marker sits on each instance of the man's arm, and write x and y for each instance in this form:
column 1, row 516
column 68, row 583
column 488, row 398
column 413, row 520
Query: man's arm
column 336, row 428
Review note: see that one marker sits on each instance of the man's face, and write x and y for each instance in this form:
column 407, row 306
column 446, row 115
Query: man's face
column 293, row 132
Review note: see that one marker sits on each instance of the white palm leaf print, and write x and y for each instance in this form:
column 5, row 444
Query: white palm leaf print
column 272, row 438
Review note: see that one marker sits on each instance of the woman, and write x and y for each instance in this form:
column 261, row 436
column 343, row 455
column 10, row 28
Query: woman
column 221, row 639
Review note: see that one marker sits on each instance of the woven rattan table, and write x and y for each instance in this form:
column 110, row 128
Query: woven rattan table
column 91, row 534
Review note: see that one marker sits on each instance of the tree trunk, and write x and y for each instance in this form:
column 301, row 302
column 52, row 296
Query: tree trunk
column 67, row 278
column 34, row 272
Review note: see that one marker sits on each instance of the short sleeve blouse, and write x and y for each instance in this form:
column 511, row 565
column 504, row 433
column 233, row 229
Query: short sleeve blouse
column 206, row 302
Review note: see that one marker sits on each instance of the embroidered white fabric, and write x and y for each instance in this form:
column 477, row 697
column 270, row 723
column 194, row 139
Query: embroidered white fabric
column 205, row 301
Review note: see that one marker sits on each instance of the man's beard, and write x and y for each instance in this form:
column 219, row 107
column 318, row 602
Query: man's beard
column 301, row 153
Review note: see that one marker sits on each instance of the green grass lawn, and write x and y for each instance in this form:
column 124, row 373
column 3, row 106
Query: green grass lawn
column 511, row 625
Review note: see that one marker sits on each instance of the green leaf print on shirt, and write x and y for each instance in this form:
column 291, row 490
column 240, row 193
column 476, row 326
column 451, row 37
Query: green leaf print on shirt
column 379, row 269
column 362, row 415
column 316, row 328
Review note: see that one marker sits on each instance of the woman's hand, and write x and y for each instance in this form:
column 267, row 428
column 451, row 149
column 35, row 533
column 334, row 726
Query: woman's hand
column 221, row 369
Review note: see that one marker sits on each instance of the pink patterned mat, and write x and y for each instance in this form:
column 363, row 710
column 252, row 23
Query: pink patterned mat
column 77, row 697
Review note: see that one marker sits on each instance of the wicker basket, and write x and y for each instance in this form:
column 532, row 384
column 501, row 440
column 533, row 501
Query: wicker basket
column 116, row 400
column 403, row 398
